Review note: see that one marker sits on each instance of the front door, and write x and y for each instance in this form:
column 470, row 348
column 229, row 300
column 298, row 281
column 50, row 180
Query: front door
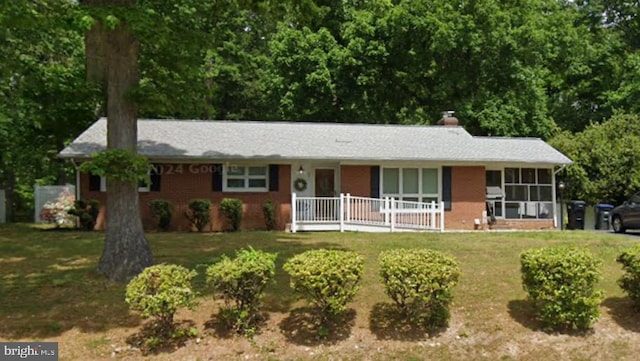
column 325, row 182
column 326, row 208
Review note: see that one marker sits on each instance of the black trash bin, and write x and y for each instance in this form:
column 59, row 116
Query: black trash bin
column 575, row 212
column 603, row 215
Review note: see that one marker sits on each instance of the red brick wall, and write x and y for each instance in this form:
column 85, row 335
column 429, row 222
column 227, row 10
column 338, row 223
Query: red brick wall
column 181, row 186
column 468, row 197
column 356, row 179
column 528, row 224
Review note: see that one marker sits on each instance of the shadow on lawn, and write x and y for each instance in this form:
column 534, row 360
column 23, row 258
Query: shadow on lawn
column 523, row 312
column 221, row 325
column 388, row 323
column 48, row 283
column 623, row 312
column 46, row 304
column 152, row 340
column 303, row 327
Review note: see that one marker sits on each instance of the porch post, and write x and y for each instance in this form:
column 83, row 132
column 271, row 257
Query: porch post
column 341, row 212
column 433, row 214
column 387, row 210
column 293, row 213
column 348, row 209
column 393, row 214
column 441, row 216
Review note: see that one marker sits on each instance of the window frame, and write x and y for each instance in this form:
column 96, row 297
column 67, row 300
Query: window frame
column 421, row 196
column 246, row 177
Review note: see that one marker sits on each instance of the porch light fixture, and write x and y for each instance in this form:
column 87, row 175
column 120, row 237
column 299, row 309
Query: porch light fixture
column 300, row 170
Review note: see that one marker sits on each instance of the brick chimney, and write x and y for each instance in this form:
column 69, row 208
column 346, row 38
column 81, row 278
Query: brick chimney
column 448, row 119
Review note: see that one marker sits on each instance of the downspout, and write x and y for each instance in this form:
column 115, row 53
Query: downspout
column 555, row 198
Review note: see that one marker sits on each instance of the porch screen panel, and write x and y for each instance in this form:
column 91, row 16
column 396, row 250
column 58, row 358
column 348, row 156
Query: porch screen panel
column 528, row 193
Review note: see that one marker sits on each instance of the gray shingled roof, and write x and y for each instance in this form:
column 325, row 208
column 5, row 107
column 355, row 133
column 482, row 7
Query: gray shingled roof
column 225, row 140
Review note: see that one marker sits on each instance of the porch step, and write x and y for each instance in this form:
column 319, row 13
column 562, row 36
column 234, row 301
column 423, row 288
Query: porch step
column 500, row 224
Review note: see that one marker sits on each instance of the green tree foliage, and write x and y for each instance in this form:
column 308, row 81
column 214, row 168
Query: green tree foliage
column 606, row 165
column 44, row 100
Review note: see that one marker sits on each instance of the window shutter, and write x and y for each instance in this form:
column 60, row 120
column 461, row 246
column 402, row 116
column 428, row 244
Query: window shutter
column 375, row 182
column 216, row 175
column 154, row 176
column 94, row 183
column 274, row 178
column 446, row 188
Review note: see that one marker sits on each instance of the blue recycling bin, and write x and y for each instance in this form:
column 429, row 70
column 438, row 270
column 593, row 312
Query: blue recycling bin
column 603, row 215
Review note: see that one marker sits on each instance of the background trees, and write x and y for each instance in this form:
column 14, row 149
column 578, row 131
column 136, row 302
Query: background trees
column 554, row 69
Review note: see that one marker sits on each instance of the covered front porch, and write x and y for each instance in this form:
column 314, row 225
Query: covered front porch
column 350, row 213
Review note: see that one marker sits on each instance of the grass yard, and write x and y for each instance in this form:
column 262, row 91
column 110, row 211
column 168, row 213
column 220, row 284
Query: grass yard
column 48, row 291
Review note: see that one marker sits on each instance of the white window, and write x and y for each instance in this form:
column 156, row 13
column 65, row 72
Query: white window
column 245, row 178
column 411, row 184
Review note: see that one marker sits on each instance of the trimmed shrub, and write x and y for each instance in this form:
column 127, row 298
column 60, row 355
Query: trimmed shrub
column 630, row 280
column 87, row 213
column 326, row 278
column 561, row 284
column 199, row 213
column 159, row 291
column 269, row 211
column 231, row 208
column 420, row 282
column 241, row 282
column 162, row 211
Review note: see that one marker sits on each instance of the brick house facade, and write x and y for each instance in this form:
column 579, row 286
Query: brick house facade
column 260, row 161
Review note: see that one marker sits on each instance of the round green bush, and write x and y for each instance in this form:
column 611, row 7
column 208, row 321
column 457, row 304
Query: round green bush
column 160, row 290
column 561, row 284
column 242, row 281
column 420, row 283
column 327, row 278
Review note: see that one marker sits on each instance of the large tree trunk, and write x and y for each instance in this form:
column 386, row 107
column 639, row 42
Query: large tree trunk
column 126, row 251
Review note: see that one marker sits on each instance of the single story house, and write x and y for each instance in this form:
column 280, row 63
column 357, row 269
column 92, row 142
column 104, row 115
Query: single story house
column 467, row 179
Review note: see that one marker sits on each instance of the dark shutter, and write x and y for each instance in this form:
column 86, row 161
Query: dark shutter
column 216, row 177
column 274, row 178
column 154, row 177
column 375, row 182
column 94, row 183
column 446, row 188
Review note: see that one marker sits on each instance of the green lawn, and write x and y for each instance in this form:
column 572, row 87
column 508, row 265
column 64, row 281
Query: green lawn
column 48, row 287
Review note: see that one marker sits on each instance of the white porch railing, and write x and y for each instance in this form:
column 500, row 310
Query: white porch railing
column 348, row 212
